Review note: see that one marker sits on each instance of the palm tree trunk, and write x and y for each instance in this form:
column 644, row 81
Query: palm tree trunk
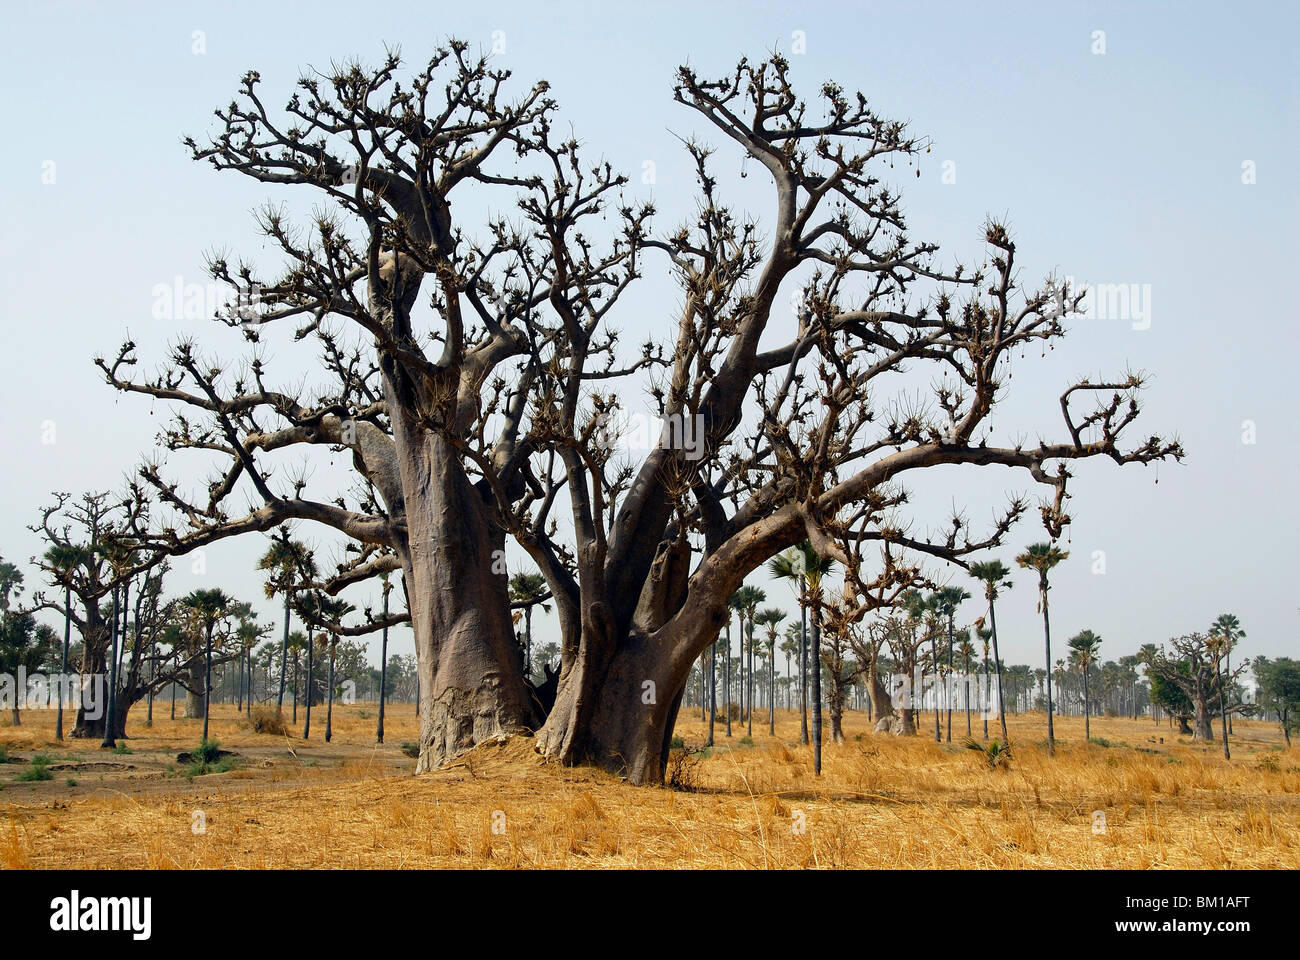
column 1047, row 641
column 1223, row 715
column 947, row 693
column 771, row 687
column 934, row 658
column 750, row 729
column 329, row 707
column 284, row 657
column 726, row 679
column 713, row 687
column 67, row 638
column 311, row 644
column 803, row 668
column 109, row 740
column 817, row 692
column 383, row 673
column 1087, row 707
column 997, row 663
column 207, row 680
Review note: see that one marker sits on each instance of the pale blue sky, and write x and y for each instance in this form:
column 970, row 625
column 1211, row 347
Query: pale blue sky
column 1122, row 167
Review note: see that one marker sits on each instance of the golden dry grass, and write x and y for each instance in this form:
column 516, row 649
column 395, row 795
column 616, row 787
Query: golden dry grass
column 882, row 802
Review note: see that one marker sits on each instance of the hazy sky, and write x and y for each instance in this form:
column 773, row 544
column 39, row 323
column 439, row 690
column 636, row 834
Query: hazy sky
column 1124, row 166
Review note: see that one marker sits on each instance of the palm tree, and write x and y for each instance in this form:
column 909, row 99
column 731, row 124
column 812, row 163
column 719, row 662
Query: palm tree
column 996, row 577
column 967, row 650
column 1083, row 654
column 732, row 604
column 984, row 636
column 1042, row 557
column 63, row 560
column 120, row 556
column 1228, row 627
column 290, row 565
column 806, row 569
column 771, row 619
column 528, row 590
column 210, row 606
column 747, row 599
column 297, row 642
column 383, row 660
column 946, row 600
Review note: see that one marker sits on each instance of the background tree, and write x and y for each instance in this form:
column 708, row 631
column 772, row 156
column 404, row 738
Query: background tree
column 1084, row 647
column 289, row 566
column 528, row 590
column 1227, row 629
column 996, row 577
column 210, row 606
column 475, row 378
column 1279, row 691
column 1191, row 668
column 770, row 618
column 946, row 601
column 1041, row 558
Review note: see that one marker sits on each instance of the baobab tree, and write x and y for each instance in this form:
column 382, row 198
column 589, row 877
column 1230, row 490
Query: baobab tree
column 1191, row 667
column 476, row 368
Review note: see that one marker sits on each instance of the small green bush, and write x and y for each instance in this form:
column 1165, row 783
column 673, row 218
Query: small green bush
column 37, row 770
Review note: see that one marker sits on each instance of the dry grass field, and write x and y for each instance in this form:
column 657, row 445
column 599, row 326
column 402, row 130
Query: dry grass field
column 882, row 802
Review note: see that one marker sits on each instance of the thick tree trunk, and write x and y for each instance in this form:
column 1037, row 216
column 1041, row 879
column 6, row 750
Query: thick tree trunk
column 194, row 694
column 1202, row 729
column 471, row 669
column 882, row 708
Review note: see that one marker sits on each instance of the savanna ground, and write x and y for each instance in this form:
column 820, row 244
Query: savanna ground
column 882, row 801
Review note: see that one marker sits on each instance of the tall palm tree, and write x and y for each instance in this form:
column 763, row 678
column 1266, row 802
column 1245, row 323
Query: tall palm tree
column 946, row 600
column 1083, row 654
column 1227, row 626
column 383, row 661
column 210, row 606
column 985, row 635
column 290, row 566
column 63, row 560
column 770, row 619
column 528, row 590
column 1042, row 557
column 967, row 650
column 733, row 604
column 806, row 569
column 119, row 556
column 747, row 600
column 996, row 577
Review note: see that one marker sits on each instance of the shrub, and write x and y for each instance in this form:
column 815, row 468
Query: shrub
column 37, row 770
column 121, row 749
column 268, row 720
column 683, row 772
column 411, row 749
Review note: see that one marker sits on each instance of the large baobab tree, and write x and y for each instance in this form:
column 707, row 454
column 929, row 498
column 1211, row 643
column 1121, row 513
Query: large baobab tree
column 478, row 375
column 1191, row 667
